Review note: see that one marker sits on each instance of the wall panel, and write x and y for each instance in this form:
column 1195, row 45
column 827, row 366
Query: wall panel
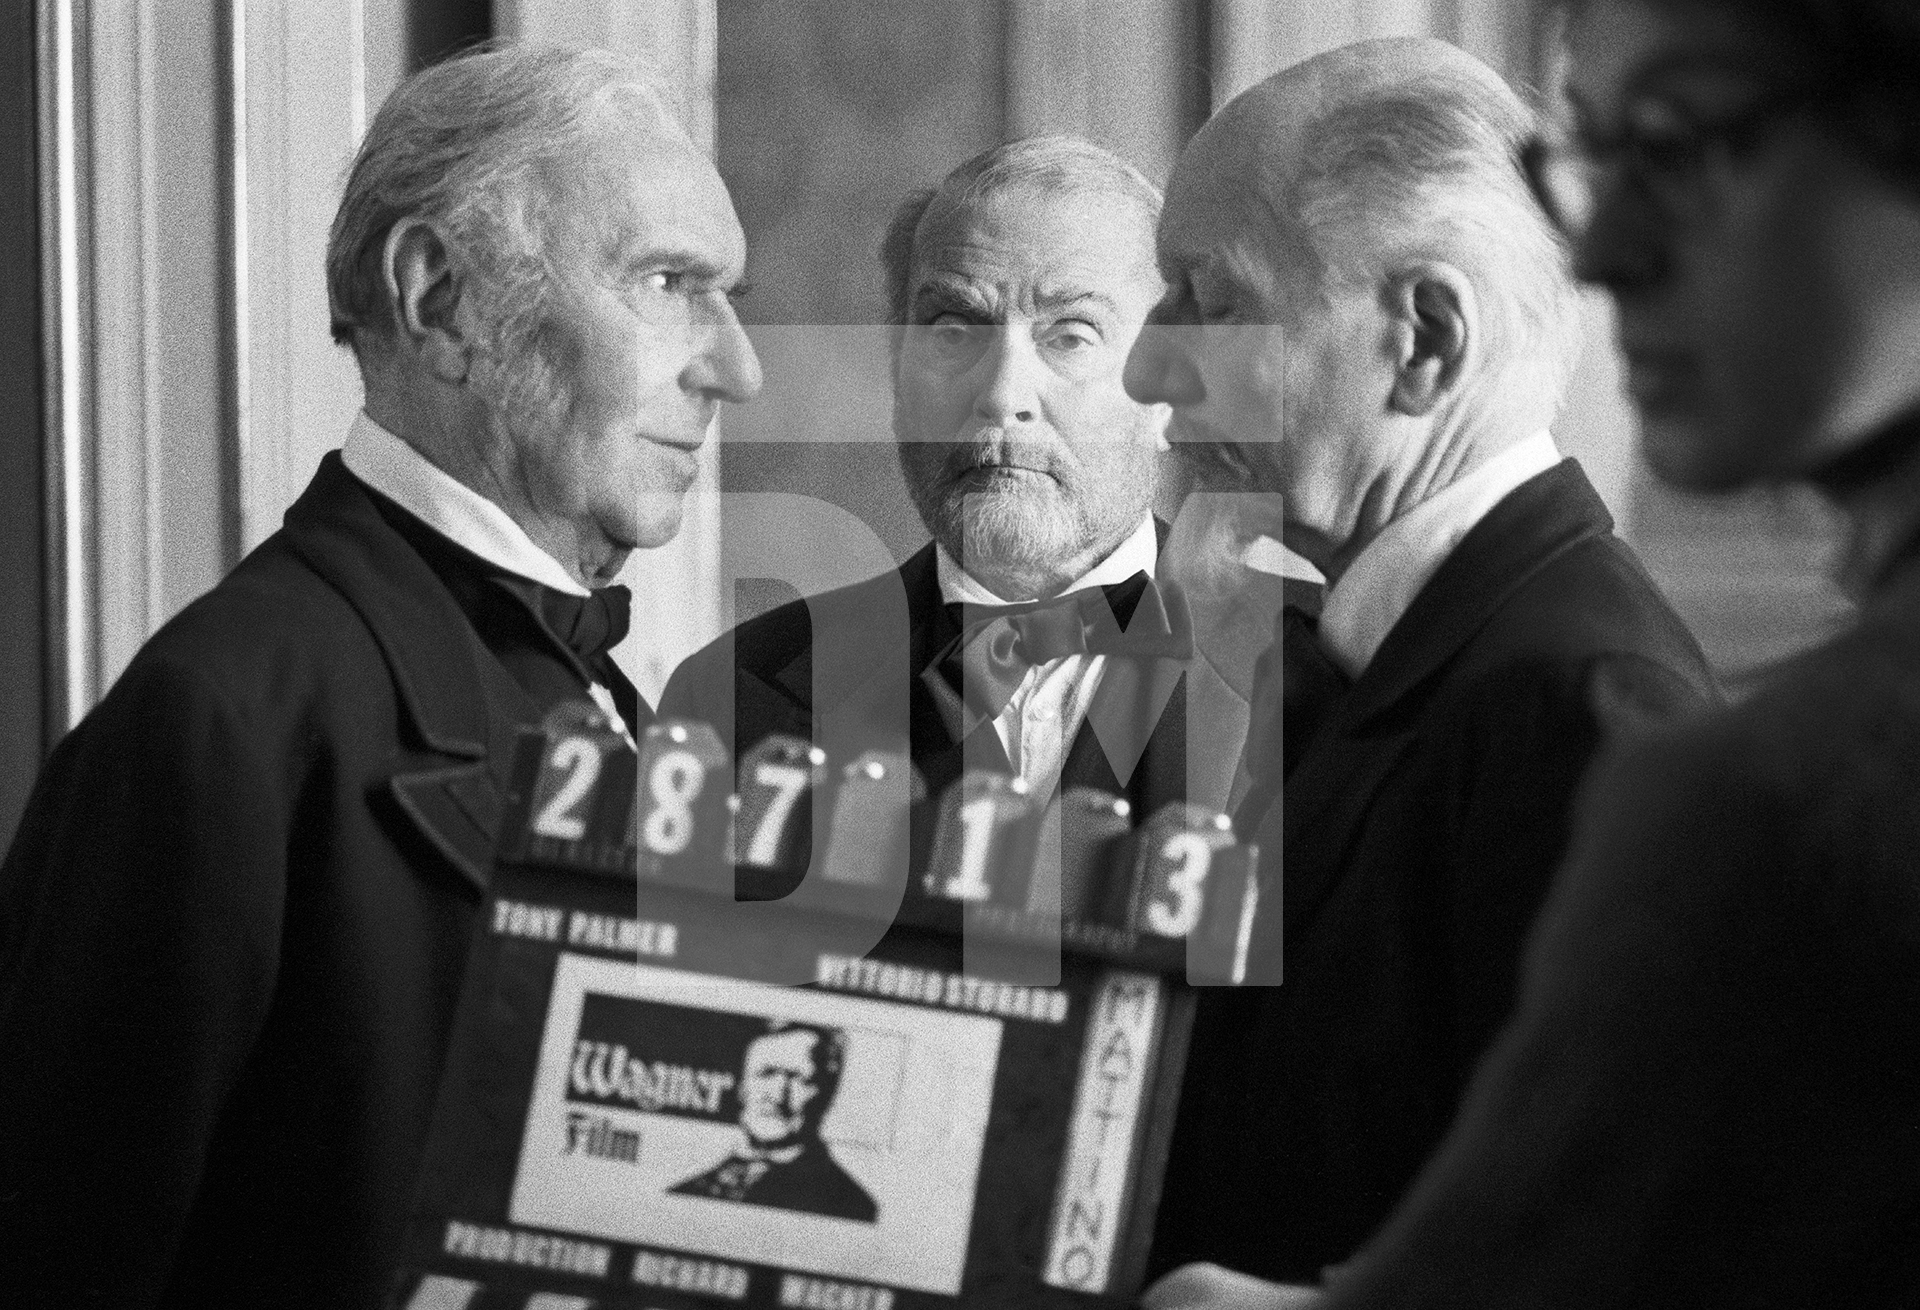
column 137, row 326
column 195, row 387
column 300, row 110
column 23, row 484
column 830, row 113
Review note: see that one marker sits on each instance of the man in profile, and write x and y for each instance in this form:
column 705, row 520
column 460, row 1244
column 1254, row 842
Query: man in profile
column 1371, row 325
column 1036, row 642
column 234, row 922
column 788, row 1080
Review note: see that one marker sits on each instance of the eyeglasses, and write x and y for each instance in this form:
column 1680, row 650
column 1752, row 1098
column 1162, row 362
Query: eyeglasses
column 1676, row 161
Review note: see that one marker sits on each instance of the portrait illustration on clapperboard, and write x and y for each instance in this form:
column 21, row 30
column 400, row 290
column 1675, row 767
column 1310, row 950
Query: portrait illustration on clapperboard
column 807, row 1130
column 788, row 1079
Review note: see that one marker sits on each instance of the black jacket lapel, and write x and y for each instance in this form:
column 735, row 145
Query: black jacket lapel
column 1542, row 519
column 1327, row 796
column 456, row 702
column 870, row 694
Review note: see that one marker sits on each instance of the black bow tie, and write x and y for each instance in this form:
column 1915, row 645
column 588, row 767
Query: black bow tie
column 589, row 625
column 996, row 646
column 1297, row 683
column 1296, row 688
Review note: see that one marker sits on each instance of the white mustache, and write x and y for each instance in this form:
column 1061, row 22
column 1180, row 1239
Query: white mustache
column 999, row 452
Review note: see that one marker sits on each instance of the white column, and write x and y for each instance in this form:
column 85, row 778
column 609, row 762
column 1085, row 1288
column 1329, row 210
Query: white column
column 66, row 323
column 299, row 88
column 130, row 599
column 677, row 602
column 138, row 323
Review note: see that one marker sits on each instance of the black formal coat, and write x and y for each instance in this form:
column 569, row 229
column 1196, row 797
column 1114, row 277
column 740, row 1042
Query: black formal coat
column 813, row 1182
column 1709, row 1094
column 1420, row 826
column 232, row 929
column 845, row 669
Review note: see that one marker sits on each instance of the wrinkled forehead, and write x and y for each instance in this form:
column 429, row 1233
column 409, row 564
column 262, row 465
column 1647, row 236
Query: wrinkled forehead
column 1230, row 204
column 1030, row 244
column 644, row 194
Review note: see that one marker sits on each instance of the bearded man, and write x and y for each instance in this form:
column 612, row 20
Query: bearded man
column 1035, row 642
column 234, row 922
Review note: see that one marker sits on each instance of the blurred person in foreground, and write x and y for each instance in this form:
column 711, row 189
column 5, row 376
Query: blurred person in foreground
column 1029, row 637
column 234, row 921
column 1710, row 1093
column 1370, row 327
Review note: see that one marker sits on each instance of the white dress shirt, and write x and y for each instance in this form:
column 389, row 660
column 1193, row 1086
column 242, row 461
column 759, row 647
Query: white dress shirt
column 462, row 515
column 1374, row 593
column 1039, row 722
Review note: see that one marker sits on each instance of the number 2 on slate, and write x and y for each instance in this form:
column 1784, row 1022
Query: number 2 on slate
column 559, row 817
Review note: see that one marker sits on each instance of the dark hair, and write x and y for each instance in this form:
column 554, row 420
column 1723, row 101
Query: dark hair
column 1867, row 52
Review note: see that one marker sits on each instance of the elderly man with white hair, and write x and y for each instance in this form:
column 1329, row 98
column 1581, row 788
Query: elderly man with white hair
column 235, row 918
column 1370, row 326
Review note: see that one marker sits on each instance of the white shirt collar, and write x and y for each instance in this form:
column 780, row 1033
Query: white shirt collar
column 1139, row 553
column 456, row 511
column 1380, row 585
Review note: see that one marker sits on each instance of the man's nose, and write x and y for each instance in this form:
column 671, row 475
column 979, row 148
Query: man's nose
column 726, row 368
column 1159, row 370
column 1010, row 392
column 1625, row 243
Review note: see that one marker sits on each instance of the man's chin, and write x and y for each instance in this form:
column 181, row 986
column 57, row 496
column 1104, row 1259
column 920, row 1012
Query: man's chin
column 656, row 521
column 1013, row 541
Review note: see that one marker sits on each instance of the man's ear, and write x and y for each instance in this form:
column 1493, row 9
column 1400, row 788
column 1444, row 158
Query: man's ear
column 424, row 289
column 1436, row 330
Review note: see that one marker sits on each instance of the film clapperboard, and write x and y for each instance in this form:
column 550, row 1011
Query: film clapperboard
column 931, row 1074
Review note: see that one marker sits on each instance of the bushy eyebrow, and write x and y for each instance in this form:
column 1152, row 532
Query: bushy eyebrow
column 946, row 295
column 1061, row 302
column 628, row 259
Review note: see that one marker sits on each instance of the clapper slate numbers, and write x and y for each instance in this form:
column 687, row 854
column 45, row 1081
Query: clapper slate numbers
column 684, row 1075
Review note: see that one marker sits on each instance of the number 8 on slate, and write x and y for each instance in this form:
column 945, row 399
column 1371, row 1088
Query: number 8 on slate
column 682, row 802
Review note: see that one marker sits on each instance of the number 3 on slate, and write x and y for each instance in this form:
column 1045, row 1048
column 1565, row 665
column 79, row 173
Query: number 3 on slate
column 1184, row 860
column 1177, row 850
